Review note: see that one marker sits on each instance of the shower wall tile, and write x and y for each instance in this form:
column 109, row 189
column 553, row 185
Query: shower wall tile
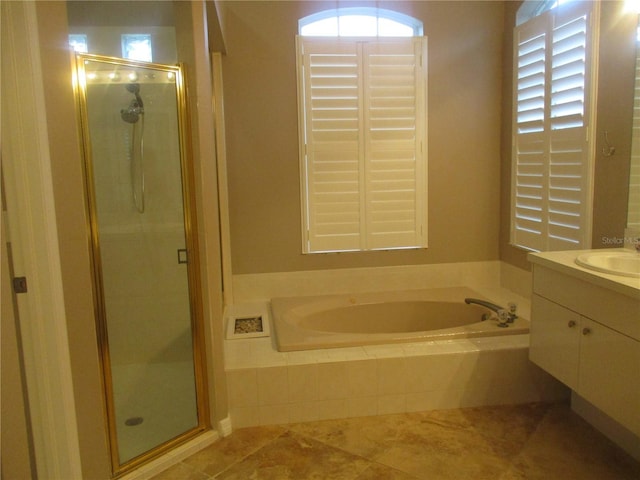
column 146, row 293
column 137, row 264
column 163, row 324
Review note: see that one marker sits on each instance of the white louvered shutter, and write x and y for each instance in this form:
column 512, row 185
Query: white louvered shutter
column 331, row 163
column 394, row 137
column 552, row 168
column 530, row 139
column 362, row 136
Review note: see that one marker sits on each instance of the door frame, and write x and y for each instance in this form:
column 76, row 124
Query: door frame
column 33, row 234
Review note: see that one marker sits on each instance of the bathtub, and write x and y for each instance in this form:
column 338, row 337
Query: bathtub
column 331, row 321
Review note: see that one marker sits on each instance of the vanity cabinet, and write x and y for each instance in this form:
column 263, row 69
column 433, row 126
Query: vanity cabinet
column 555, row 340
column 588, row 338
column 609, row 375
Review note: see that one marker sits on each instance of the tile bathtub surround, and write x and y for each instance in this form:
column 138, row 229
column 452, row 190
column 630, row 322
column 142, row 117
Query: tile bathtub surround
column 264, row 286
column 531, row 441
column 267, row 387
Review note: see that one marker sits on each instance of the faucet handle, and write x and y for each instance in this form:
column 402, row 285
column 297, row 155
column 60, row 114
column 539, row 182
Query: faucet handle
column 504, row 318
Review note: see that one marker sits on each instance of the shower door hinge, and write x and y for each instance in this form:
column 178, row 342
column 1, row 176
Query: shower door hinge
column 20, row 284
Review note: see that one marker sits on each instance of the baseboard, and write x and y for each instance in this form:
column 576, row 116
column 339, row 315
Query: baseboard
column 173, row 457
column 225, row 427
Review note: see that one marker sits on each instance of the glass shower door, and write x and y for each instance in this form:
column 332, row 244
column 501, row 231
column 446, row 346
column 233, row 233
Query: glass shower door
column 144, row 252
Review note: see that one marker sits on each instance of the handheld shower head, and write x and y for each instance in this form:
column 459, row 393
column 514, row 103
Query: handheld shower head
column 132, row 113
column 133, row 88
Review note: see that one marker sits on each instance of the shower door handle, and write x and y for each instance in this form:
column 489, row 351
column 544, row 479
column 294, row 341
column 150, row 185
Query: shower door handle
column 183, row 256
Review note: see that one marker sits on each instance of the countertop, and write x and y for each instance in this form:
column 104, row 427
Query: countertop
column 564, row 262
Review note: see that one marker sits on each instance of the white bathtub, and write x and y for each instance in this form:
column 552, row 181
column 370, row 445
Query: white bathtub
column 306, row 323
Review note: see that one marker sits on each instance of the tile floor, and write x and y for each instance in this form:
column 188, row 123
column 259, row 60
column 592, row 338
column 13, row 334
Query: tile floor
column 532, row 441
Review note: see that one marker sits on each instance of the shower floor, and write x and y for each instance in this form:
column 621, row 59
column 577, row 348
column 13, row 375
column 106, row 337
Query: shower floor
column 161, row 395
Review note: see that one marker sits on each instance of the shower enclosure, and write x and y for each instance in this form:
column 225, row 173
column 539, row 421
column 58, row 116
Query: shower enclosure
column 142, row 226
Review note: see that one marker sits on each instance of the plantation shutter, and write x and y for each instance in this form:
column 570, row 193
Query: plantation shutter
column 362, row 136
column 552, row 158
column 331, row 163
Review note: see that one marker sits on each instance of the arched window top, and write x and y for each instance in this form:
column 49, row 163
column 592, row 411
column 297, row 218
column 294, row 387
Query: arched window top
column 359, row 22
column 532, row 8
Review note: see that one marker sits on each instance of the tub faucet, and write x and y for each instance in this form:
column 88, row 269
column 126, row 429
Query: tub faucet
column 505, row 315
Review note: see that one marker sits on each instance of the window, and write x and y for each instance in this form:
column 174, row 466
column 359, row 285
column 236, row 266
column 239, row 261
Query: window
column 359, row 22
column 362, row 124
column 532, row 8
column 137, row 47
column 78, row 42
column 552, row 149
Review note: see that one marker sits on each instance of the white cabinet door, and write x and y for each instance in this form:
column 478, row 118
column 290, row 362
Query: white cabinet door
column 555, row 340
column 610, row 373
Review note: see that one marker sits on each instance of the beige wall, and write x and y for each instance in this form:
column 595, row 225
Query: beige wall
column 465, row 93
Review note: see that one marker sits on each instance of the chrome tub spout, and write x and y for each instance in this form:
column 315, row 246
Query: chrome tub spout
column 505, row 315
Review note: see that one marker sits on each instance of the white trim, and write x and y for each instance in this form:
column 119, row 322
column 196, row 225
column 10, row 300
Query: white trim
column 223, row 182
column 34, row 236
column 225, row 426
column 259, row 310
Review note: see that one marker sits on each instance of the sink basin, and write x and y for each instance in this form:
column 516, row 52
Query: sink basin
column 618, row 263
